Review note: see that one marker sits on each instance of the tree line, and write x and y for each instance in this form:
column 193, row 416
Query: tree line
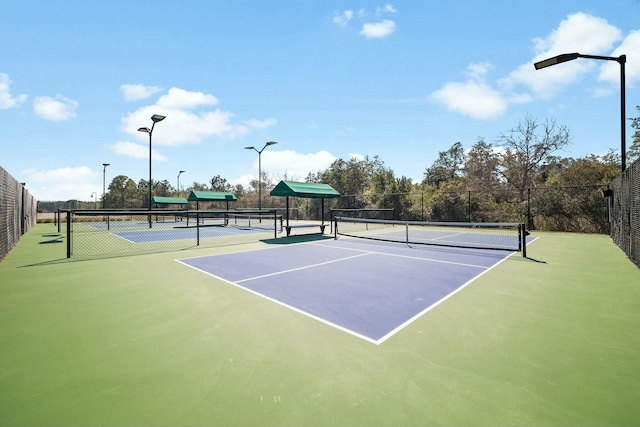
column 520, row 176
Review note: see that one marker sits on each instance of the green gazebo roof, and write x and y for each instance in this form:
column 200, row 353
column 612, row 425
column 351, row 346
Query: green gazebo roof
column 211, row 196
column 169, row 200
column 307, row 190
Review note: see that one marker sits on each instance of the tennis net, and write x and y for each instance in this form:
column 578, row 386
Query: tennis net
column 254, row 221
column 500, row 236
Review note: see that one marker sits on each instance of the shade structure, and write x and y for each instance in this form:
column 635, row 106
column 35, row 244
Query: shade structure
column 307, row 190
column 211, row 196
column 160, row 201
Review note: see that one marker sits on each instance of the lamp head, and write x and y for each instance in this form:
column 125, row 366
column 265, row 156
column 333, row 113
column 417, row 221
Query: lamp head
column 249, row 148
column 157, row 118
column 146, row 130
column 270, row 143
column 556, row 60
column 105, row 164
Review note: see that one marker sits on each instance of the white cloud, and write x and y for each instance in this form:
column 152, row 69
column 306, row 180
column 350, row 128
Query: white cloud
column 473, row 99
column 357, row 156
column 55, row 109
column 579, row 32
column 187, row 120
column 386, row 9
column 610, row 71
column 378, row 30
column 519, row 98
column 602, row 92
column 370, row 30
column 261, row 124
column 343, row 18
column 293, row 165
column 479, row 70
column 138, row 91
column 137, row 151
column 62, row 183
column 6, row 99
column 181, row 99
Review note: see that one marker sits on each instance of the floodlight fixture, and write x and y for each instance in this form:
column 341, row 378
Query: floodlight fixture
column 178, row 183
column 155, row 119
column 622, row 59
column 556, row 60
column 260, row 169
column 104, row 171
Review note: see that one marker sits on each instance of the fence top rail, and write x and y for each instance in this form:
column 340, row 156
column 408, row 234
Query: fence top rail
column 362, row 210
column 101, row 212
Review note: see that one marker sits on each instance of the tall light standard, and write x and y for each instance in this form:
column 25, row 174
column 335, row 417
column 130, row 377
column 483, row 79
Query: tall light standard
column 260, row 169
column 178, row 186
column 94, row 196
column 622, row 59
column 104, row 171
column 155, row 119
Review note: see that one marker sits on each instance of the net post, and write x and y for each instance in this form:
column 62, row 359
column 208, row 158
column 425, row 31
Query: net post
column 522, row 235
column 197, row 228
column 68, row 234
column 406, row 233
column 275, row 224
column 335, row 228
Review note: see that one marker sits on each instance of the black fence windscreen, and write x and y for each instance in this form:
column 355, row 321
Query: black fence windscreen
column 17, row 212
column 623, row 195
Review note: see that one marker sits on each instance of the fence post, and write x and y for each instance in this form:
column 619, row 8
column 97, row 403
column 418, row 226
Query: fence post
column 529, row 219
column 68, row 233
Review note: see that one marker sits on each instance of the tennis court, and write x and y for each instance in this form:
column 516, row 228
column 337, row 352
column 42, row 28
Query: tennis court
column 113, row 233
column 368, row 289
column 164, row 234
column 142, row 340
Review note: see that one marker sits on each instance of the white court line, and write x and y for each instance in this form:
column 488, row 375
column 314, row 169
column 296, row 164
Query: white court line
column 303, row 268
column 406, row 256
column 362, row 253
column 437, row 303
column 283, row 304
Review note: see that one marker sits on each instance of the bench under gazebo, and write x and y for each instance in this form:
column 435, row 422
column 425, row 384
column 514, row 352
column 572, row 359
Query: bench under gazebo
column 307, row 190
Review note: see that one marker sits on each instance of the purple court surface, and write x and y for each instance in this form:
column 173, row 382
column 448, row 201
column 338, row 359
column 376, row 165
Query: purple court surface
column 369, row 289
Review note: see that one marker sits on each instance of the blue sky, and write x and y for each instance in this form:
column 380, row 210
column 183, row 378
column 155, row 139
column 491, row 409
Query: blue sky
column 325, row 79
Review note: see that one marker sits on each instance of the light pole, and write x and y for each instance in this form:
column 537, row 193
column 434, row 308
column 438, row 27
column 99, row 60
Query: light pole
column 94, row 196
column 260, row 169
column 104, row 171
column 178, row 187
column 155, row 119
column 622, row 59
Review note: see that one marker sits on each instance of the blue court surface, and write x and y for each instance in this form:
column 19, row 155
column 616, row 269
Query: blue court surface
column 368, row 289
column 164, row 234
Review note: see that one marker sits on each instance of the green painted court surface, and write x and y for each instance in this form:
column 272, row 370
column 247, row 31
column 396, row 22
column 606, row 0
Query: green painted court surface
column 144, row 340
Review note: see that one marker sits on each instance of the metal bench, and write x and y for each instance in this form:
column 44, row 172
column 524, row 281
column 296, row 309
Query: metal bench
column 290, row 227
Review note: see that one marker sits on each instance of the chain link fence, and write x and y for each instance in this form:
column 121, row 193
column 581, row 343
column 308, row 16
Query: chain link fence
column 581, row 208
column 571, row 209
column 624, row 207
column 17, row 212
column 110, row 233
